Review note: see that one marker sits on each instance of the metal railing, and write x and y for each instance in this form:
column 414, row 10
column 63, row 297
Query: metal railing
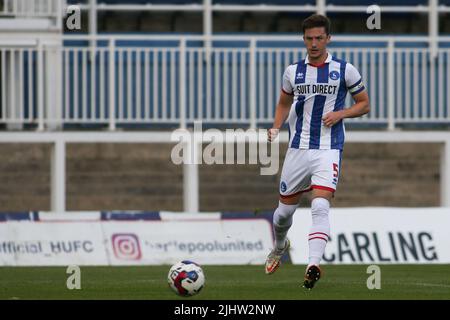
column 31, row 8
column 115, row 80
column 433, row 8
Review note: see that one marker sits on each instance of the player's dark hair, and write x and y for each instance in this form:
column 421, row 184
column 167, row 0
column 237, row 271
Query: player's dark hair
column 317, row 21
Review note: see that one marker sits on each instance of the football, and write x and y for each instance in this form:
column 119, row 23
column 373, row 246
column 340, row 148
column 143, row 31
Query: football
column 186, row 278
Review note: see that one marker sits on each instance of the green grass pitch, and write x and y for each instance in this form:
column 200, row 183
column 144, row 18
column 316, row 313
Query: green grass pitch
column 228, row 283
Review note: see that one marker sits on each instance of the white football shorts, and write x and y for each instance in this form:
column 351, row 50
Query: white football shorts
column 307, row 169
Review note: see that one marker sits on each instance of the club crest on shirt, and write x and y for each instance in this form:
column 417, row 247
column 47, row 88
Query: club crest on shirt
column 283, row 186
column 334, row 75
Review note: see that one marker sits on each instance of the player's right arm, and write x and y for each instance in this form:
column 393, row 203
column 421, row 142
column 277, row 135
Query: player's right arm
column 283, row 105
column 281, row 113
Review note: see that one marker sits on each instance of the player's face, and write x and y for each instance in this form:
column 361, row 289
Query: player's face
column 316, row 40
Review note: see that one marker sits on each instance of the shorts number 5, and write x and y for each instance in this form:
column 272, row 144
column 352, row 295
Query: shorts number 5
column 336, row 170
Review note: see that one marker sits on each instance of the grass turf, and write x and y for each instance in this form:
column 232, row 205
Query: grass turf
column 228, row 283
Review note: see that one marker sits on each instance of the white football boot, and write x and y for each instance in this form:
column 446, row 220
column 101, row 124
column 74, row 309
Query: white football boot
column 273, row 260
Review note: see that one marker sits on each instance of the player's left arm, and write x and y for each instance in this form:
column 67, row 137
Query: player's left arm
column 360, row 96
column 360, row 108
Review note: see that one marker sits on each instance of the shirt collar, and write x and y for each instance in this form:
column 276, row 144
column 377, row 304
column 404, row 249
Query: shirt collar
column 327, row 60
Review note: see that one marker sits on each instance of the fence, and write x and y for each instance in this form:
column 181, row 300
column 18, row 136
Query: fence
column 114, row 80
column 31, row 8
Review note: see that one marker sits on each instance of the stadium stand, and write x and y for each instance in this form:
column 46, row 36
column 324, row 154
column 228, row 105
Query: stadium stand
column 248, row 22
column 146, row 46
column 139, row 177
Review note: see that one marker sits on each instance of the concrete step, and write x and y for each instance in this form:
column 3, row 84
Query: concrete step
column 142, row 177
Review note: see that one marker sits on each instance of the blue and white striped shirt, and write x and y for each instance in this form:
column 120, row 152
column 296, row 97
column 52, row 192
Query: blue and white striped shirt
column 317, row 91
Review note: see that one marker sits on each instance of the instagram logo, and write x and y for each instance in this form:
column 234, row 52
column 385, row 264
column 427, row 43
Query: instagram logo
column 126, row 246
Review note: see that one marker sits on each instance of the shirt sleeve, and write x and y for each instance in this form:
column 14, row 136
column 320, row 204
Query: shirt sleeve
column 287, row 85
column 353, row 80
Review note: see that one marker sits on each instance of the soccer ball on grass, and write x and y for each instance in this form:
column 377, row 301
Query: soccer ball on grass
column 186, row 278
